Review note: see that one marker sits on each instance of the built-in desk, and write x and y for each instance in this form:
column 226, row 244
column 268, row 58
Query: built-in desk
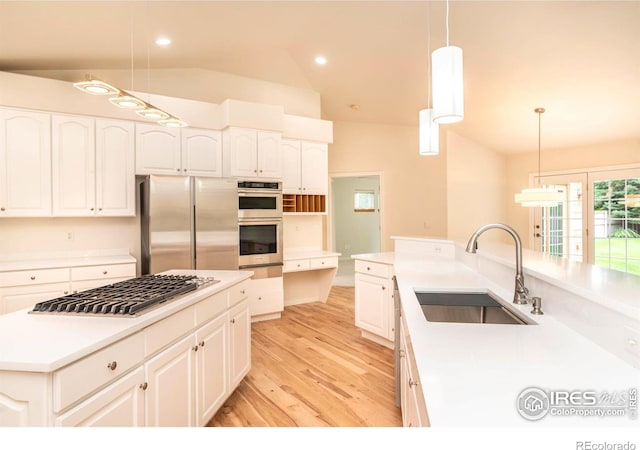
column 308, row 275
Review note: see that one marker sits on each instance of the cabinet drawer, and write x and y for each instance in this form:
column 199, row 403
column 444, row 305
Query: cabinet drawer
column 32, row 277
column 76, row 380
column 372, row 268
column 105, row 271
column 238, row 293
column 321, row 263
column 297, row 264
column 211, row 307
column 162, row 333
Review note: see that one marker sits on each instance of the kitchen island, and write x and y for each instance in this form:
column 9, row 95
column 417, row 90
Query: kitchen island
column 469, row 374
column 171, row 366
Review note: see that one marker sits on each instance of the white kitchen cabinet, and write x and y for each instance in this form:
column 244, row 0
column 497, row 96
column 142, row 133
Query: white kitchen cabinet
column 119, row 405
column 201, row 152
column 414, row 409
column 93, row 167
column 158, row 150
column 212, row 378
column 25, row 163
column 239, row 342
column 249, row 153
column 15, row 298
column 266, row 298
column 304, row 167
column 374, row 301
column 115, row 168
column 170, row 395
column 73, row 165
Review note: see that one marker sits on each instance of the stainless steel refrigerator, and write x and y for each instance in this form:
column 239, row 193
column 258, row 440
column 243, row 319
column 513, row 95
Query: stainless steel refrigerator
column 188, row 223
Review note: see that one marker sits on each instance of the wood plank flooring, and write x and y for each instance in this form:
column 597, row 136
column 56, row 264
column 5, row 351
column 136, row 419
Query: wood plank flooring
column 312, row 368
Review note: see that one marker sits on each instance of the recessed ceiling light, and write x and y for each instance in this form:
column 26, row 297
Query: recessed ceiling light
column 163, row 41
column 321, row 60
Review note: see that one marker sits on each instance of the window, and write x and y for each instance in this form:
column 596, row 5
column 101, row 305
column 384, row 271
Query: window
column 364, row 201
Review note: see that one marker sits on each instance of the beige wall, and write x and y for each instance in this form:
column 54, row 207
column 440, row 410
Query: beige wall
column 413, row 187
column 475, row 186
column 203, row 85
column 520, row 166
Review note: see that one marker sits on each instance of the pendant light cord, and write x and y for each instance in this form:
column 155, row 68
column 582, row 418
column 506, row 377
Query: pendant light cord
column 429, row 55
column 131, row 48
column 539, row 138
column 447, row 23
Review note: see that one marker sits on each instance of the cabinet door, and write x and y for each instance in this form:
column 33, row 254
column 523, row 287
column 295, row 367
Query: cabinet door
column 269, row 155
column 202, row 152
column 372, row 304
column 169, row 399
column 21, row 297
column 212, row 369
column 240, row 343
column 157, row 150
column 242, row 152
column 290, row 152
column 25, row 164
column 314, row 168
column 73, row 166
column 120, row 404
column 266, row 296
column 115, row 168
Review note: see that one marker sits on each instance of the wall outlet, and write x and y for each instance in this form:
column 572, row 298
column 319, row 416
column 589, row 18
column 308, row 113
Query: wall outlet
column 632, row 340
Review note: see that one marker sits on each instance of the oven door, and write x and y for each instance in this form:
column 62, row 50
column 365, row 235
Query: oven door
column 260, row 243
column 257, row 204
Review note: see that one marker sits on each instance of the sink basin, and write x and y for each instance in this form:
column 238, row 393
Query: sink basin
column 467, row 307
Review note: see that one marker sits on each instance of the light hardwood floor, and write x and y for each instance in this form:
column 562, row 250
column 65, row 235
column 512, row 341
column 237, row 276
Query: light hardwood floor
column 312, row 368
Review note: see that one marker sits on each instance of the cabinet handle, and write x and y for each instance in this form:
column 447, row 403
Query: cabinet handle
column 66, row 292
column 242, row 292
column 184, row 170
column 177, row 170
column 92, row 209
column 201, row 344
column 75, row 291
column 233, row 320
column 412, row 383
column 99, row 209
column 195, row 348
column 384, row 288
column 2, row 209
column 144, row 386
column 259, row 298
column 255, row 170
column 104, row 272
column 260, row 170
column 323, row 263
column 368, row 268
column 112, row 365
column 33, row 277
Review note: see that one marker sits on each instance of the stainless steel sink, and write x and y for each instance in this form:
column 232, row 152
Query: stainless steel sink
column 467, row 307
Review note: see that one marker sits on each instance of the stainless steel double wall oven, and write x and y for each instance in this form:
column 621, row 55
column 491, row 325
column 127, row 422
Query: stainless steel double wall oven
column 260, row 227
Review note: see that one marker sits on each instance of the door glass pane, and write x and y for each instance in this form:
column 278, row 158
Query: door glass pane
column 562, row 225
column 616, row 224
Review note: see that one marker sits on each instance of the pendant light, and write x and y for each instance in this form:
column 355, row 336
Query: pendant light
column 429, row 136
column 448, row 91
column 540, row 196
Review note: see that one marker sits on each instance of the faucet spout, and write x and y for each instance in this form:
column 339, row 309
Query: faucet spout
column 520, row 293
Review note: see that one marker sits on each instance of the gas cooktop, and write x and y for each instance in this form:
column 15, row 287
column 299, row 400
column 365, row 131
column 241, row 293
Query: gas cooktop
column 128, row 298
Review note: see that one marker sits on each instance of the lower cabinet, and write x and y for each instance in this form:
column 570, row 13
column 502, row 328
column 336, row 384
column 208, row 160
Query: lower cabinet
column 173, row 373
column 266, row 298
column 374, row 301
column 412, row 403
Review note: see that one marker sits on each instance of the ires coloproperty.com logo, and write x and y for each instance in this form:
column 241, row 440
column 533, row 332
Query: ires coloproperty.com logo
column 534, row 403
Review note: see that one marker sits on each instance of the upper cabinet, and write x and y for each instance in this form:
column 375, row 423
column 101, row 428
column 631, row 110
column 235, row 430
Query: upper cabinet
column 201, row 152
column 249, row 153
column 115, row 168
column 25, row 163
column 157, row 150
column 172, row 151
column 305, row 167
column 93, row 167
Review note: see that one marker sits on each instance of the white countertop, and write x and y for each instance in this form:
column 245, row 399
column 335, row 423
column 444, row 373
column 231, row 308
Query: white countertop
column 46, row 342
column 472, row 374
column 52, row 260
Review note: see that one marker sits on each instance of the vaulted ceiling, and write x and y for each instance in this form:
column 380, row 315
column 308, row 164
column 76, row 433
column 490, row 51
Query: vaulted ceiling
column 580, row 60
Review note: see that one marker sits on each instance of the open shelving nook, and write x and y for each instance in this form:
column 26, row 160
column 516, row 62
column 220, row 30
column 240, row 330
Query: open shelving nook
column 304, row 203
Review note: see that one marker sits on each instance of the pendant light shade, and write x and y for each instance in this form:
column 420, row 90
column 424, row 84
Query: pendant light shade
column 96, row 87
column 448, row 92
column 127, row 101
column 540, row 196
column 429, row 138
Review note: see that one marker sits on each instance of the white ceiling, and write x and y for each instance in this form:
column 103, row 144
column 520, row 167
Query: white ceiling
column 580, row 60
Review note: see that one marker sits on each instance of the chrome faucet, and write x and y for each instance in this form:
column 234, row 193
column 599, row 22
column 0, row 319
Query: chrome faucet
column 520, row 294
